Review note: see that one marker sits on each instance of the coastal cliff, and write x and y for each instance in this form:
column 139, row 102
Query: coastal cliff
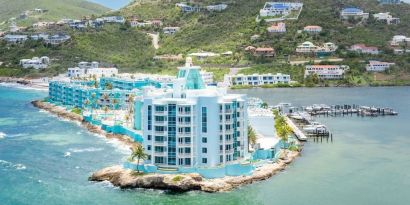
column 127, row 179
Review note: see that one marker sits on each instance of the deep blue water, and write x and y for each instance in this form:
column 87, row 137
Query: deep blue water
column 112, row 4
column 367, row 162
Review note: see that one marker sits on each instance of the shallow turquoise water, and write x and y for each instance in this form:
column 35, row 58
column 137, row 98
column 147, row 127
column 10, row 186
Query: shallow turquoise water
column 367, row 163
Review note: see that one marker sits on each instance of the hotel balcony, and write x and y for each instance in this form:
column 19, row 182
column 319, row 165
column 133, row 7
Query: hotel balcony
column 161, row 123
column 184, row 113
column 160, row 154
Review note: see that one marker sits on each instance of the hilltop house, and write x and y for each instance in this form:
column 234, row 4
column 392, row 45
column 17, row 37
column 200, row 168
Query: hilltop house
column 277, row 28
column 326, row 72
column 43, row 24
column 15, row 38
column 187, row 8
column 378, row 66
column 362, row 48
column 86, row 69
column 170, row 30
column 257, row 79
column 309, row 47
column 217, row 7
column 77, row 24
column 389, row 1
column 36, row 63
column 398, row 40
column 279, row 8
column 353, row 13
column 387, row 18
column 57, row 39
column 261, row 52
column 312, row 29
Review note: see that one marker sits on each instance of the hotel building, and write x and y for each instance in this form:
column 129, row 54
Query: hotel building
column 257, row 79
column 192, row 126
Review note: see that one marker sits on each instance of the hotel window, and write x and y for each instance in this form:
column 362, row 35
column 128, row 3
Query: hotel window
column 204, row 160
column 187, row 150
column 187, row 140
column 221, row 159
column 149, row 137
column 159, row 149
column 180, row 161
column 204, row 150
column 159, row 108
column 180, row 150
column 159, row 138
column 159, row 160
column 149, row 147
column 149, row 117
column 204, row 120
column 187, row 161
column 204, row 140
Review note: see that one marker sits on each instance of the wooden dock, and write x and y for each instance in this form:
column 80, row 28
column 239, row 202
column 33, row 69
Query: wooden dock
column 299, row 134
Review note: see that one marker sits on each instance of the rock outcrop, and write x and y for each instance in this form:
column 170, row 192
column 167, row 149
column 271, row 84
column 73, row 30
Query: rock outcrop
column 125, row 178
column 63, row 113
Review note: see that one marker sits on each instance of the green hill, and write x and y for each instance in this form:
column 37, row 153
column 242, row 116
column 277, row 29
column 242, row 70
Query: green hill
column 57, row 9
column 231, row 30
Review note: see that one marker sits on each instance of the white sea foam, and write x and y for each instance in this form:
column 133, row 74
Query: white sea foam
column 23, row 87
column 90, row 149
column 67, row 154
column 8, row 165
column 2, row 135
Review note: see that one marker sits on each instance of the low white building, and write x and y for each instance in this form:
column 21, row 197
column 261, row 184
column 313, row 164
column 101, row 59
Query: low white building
column 312, row 29
column 87, row 69
column 362, row 48
column 398, row 40
column 15, row 38
column 207, row 77
column 326, row 72
column 386, row 17
column 378, row 66
column 257, row 79
column 353, row 13
column 170, row 30
column 277, row 28
column 309, row 47
column 279, row 8
column 113, row 19
column 36, row 63
column 217, row 7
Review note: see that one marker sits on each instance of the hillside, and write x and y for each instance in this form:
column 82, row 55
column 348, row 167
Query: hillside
column 231, row 30
column 57, row 9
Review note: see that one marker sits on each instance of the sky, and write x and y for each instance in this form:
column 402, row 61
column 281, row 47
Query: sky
column 112, row 4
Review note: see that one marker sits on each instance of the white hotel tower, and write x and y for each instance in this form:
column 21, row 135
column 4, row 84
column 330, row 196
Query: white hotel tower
column 193, row 126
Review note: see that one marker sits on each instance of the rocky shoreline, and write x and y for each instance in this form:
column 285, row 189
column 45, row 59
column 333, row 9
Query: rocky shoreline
column 61, row 112
column 128, row 179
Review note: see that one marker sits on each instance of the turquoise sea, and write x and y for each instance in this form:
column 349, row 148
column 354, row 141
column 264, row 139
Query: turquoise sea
column 367, row 162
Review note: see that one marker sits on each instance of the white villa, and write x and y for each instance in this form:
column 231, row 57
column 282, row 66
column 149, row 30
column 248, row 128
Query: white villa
column 87, row 69
column 378, row 66
column 170, row 30
column 400, row 40
column 279, row 8
column 309, row 47
column 113, row 19
column 36, row 63
column 362, row 48
column 257, row 79
column 387, row 18
column 15, row 38
column 207, row 77
column 353, row 13
column 277, row 28
column 312, row 29
column 217, row 7
column 326, row 72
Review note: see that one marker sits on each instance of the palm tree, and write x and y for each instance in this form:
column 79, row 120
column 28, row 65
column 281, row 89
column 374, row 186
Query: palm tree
column 251, row 136
column 138, row 152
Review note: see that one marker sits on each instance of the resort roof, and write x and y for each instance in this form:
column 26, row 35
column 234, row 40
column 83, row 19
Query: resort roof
column 352, row 10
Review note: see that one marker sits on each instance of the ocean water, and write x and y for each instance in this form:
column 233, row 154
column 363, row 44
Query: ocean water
column 367, row 162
